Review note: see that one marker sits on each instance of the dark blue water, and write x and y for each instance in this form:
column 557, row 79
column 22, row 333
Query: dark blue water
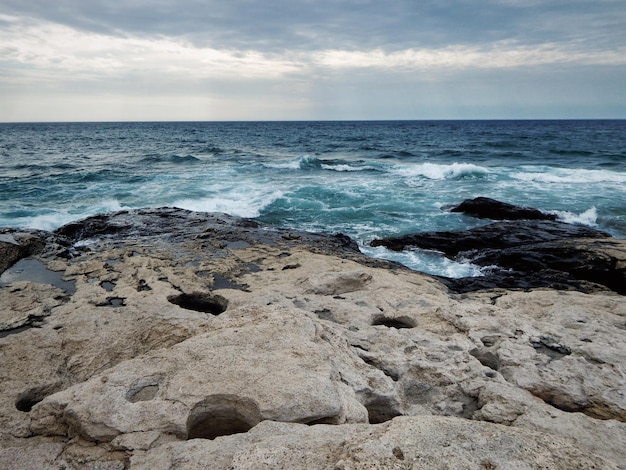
column 365, row 179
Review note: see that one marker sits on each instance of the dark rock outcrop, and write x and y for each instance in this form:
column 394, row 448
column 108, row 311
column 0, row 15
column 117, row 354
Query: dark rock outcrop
column 498, row 235
column 487, row 208
column 18, row 244
column 215, row 230
column 525, row 254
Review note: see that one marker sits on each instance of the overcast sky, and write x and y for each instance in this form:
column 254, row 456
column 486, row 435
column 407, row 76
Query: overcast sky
column 113, row 60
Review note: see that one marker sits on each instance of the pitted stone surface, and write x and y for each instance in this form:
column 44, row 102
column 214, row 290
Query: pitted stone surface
column 322, row 358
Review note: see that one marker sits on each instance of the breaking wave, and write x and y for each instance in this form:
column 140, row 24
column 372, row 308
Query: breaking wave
column 437, row 171
column 568, row 175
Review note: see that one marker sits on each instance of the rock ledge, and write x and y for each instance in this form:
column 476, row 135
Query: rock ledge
column 168, row 339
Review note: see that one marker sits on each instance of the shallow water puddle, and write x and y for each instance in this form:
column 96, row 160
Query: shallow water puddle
column 33, row 270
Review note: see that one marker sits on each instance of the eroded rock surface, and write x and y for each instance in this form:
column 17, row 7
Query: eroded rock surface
column 206, row 341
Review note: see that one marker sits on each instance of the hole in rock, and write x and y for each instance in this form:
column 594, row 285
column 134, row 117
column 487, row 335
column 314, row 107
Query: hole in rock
column 325, row 420
column 550, row 347
column 398, row 322
column 486, row 358
column 397, row 453
column 29, row 398
column 222, row 282
column 200, row 302
column 143, row 286
column 144, row 392
column 489, row 341
column 392, row 374
column 325, row 314
column 560, row 400
column 381, row 409
column 13, row 331
column 222, row 415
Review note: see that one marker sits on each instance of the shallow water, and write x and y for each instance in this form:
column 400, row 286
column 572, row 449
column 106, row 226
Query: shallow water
column 33, row 270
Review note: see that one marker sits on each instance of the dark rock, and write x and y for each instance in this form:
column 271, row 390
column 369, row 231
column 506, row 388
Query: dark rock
column 215, row 230
column 497, row 235
column 597, row 261
column 487, row 208
column 528, row 254
column 15, row 245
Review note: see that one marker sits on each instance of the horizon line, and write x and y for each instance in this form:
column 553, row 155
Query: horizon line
column 311, row 120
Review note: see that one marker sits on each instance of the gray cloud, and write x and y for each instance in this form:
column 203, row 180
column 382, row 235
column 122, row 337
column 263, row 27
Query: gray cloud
column 277, row 25
column 311, row 59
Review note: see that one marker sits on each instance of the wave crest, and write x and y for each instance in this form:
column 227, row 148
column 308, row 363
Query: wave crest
column 588, row 217
column 436, row 171
column 238, row 204
column 307, row 162
column 566, row 175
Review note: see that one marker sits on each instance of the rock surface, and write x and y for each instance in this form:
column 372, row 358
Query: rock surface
column 180, row 340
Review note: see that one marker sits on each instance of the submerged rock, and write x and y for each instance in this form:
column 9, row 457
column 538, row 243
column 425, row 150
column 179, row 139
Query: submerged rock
column 206, row 341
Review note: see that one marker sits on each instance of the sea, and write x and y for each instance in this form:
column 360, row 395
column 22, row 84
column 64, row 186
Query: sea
column 365, row 179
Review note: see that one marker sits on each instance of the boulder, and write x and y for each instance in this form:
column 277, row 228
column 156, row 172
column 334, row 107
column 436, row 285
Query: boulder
column 496, row 235
column 487, row 208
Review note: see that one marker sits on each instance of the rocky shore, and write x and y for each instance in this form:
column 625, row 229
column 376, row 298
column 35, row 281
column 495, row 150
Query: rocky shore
column 168, row 339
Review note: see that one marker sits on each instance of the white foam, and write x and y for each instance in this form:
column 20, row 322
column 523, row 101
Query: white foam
column 345, row 167
column 56, row 218
column 568, row 175
column 303, row 162
column 48, row 221
column 238, row 204
column 289, row 165
column 588, row 217
column 437, row 171
column 430, row 262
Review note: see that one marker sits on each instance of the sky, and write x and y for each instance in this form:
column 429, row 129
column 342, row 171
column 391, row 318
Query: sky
column 158, row 60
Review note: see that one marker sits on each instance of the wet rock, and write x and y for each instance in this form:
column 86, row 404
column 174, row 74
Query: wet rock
column 528, row 254
column 15, row 245
column 487, row 208
column 497, row 236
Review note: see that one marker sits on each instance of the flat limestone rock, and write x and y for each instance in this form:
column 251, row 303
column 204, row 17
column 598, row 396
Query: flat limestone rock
column 227, row 344
column 406, row 442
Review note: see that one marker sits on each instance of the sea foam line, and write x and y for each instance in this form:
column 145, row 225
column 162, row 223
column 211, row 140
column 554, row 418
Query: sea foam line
column 588, row 217
column 436, row 171
column 238, row 204
column 566, row 175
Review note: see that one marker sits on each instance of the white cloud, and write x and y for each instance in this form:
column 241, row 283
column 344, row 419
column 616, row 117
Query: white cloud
column 56, row 68
column 504, row 54
column 62, row 53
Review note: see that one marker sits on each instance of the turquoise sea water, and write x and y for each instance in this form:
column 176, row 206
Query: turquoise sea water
column 365, row 179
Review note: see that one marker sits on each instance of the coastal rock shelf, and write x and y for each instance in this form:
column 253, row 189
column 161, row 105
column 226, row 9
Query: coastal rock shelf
column 169, row 339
